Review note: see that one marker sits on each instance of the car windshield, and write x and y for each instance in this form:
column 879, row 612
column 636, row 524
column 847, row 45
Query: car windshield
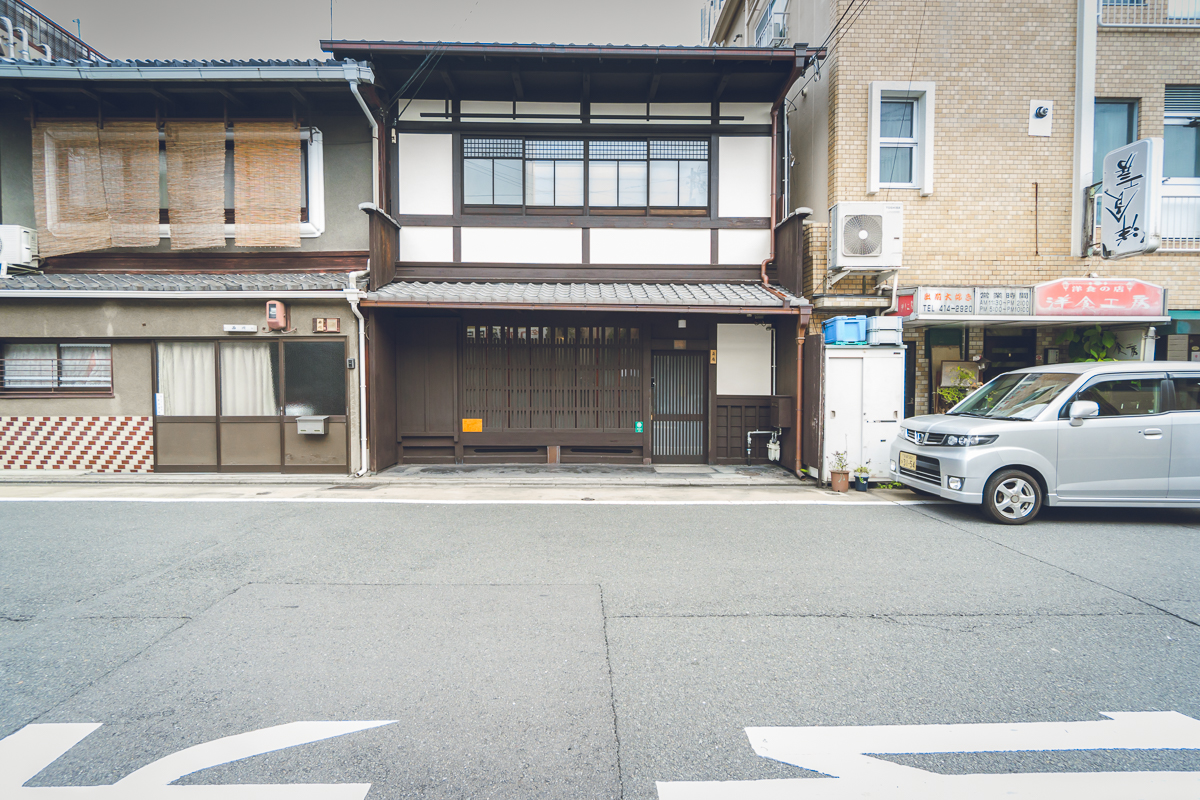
column 1014, row 395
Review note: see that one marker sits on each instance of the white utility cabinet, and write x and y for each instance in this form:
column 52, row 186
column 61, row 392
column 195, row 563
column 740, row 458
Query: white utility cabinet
column 863, row 405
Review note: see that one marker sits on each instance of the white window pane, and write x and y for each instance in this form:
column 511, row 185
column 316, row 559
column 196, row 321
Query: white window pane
column 896, row 119
column 664, row 183
column 508, row 181
column 477, row 180
column 693, row 183
column 1114, row 128
column 87, row 365
column 30, row 365
column 1180, row 144
column 602, row 183
column 631, row 190
column 895, row 164
column 568, row 183
column 539, row 183
column 249, row 378
column 187, row 379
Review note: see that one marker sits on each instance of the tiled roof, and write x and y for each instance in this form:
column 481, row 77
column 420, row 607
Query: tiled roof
column 172, row 282
column 741, row 295
column 253, row 63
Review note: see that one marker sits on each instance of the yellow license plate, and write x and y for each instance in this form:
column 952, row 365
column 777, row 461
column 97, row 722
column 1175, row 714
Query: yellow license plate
column 908, row 461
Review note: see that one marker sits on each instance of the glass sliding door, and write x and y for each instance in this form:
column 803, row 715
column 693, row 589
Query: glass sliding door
column 185, row 405
column 249, row 404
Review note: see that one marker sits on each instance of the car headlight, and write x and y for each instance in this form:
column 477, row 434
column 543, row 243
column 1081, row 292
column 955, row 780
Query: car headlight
column 969, row 441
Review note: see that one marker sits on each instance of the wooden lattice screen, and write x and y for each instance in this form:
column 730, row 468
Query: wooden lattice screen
column 523, row 377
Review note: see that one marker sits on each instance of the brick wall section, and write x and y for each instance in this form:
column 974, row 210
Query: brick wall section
column 99, row 444
column 988, row 61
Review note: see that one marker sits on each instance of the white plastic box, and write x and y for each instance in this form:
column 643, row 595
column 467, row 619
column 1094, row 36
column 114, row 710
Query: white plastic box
column 885, row 330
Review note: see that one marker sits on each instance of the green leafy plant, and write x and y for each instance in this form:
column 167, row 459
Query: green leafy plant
column 863, row 469
column 964, row 383
column 838, row 462
column 890, row 485
column 1090, row 344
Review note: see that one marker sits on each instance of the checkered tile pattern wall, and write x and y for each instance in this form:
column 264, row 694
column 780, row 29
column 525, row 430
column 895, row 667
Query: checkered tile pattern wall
column 100, row 444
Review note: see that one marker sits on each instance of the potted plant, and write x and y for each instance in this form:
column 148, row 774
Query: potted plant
column 862, row 475
column 839, row 471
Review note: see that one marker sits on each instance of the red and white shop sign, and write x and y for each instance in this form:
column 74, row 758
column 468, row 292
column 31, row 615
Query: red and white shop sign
column 1098, row 297
column 904, row 305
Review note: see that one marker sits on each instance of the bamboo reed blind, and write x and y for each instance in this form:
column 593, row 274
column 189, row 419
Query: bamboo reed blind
column 95, row 188
column 525, row 377
column 266, row 184
column 196, row 184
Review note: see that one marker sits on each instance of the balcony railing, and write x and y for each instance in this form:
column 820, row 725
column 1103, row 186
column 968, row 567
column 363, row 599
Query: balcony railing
column 1149, row 14
column 1180, row 218
column 53, row 375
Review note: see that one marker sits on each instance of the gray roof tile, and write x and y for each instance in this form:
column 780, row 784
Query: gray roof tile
column 742, row 295
column 176, row 282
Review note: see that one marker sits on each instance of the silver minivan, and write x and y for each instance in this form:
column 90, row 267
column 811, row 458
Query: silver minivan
column 1124, row 433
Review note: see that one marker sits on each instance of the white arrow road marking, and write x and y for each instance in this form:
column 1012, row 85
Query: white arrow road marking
column 841, row 752
column 31, row 749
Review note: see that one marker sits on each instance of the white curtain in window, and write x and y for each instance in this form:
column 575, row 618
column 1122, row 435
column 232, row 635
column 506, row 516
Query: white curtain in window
column 30, row 365
column 247, row 382
column 187, row 379
column 87, row 365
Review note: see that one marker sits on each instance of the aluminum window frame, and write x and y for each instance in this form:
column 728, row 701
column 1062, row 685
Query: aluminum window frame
column 921, row 94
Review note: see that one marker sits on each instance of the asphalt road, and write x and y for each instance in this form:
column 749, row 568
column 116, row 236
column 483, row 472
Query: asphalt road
column 580, row 651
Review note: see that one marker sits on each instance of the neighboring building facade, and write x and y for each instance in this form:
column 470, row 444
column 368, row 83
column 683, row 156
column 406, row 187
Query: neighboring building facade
column 172, row 201
column 985, row 124
column 574, row 259
column 26, row 33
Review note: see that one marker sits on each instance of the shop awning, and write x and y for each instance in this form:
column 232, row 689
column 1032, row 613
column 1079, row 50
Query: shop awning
column 747, row 298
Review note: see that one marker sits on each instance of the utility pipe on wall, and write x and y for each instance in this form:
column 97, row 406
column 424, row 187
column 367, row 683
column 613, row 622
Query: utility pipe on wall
column 375, row 177
column 8, row 30
column 352, row 297
column 23, row 53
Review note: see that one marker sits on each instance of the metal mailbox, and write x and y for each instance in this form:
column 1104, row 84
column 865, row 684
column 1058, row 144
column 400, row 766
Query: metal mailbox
column 311, row 425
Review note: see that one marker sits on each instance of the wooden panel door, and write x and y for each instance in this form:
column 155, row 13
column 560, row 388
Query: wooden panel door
column 679, row 390
column 427, row 376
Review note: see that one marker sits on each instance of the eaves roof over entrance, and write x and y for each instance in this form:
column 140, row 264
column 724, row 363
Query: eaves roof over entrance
column 747, row 298
column 582, row 73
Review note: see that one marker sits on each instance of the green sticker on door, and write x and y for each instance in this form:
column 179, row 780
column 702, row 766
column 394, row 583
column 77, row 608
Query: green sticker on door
column 637, row 427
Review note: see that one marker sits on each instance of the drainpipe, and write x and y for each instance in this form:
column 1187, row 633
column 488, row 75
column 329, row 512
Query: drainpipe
column 49, row 54
column 774, row 192
column 352, row 297
column 8, row 29
column 23, row 53
column 352, row 78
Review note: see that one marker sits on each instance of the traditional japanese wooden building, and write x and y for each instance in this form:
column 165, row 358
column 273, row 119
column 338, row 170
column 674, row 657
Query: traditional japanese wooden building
column 574, row 255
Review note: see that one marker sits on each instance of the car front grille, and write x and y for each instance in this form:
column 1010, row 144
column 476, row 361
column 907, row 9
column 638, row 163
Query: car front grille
column 928, row 469
column 921, row 437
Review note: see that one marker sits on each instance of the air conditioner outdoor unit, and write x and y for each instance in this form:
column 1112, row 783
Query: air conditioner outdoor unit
column 18, row 246
column 866, row 236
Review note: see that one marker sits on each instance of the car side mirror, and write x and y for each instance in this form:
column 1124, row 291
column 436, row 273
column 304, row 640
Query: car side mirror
column 1081, row 409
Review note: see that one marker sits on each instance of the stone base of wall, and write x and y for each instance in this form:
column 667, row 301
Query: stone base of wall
column 99, row 444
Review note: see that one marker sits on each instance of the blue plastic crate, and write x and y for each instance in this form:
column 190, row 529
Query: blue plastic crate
column 845, row 330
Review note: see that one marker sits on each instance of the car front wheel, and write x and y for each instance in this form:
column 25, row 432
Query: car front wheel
column 1012, row 497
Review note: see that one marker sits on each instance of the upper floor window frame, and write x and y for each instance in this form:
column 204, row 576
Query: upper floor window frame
column 637, row 173
column 1181, row 111
column 1132, row 110
column 919, row 141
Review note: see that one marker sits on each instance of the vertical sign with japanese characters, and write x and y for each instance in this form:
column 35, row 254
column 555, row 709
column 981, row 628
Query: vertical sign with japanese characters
column 1131, row 199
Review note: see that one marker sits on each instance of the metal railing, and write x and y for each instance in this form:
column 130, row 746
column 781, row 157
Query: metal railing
column 1179, row 223
column 1149, row 14
column 20, row 375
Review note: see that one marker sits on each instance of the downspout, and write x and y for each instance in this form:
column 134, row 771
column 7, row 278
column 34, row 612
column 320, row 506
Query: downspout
column 352, row 79
column 352, row 297
column 774, row 192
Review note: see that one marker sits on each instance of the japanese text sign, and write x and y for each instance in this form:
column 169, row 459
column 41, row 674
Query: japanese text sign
column 945, row 300
column 1098, row 297
column 1004, row 300
column 1131, row 199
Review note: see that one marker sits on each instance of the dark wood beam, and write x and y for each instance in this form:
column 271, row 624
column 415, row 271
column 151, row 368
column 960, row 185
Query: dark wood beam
column 720, row 88
column 446, row 79
column 516, row 79
column 653, row 87
column 231, row 97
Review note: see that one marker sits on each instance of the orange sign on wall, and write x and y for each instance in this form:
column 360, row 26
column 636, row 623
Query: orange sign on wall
column 472, row 426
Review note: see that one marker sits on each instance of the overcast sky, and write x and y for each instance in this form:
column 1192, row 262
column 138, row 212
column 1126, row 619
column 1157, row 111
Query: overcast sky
column 292, row 29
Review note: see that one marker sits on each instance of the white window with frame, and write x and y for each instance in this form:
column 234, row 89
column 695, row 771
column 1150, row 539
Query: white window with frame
column 900, row 132
column 47, row 368
column 1180, row 218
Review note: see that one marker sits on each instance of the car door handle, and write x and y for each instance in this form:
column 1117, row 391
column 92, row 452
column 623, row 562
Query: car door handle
column 1152, row 432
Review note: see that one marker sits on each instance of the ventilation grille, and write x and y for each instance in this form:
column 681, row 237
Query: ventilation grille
column 1183, row 101
column 862, row 235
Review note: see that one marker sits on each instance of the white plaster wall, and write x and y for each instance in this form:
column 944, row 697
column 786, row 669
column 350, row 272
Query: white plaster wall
column 486, row 107
column 548, row 108
column 754, row 113
column 414, row 110
column 682, row 110
column 744, row 176
column 744, row 359
column 742, row 246
column 523, row 245
column 620, row 108
column 426, row 244
column 650, row 246
column 425, row 167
